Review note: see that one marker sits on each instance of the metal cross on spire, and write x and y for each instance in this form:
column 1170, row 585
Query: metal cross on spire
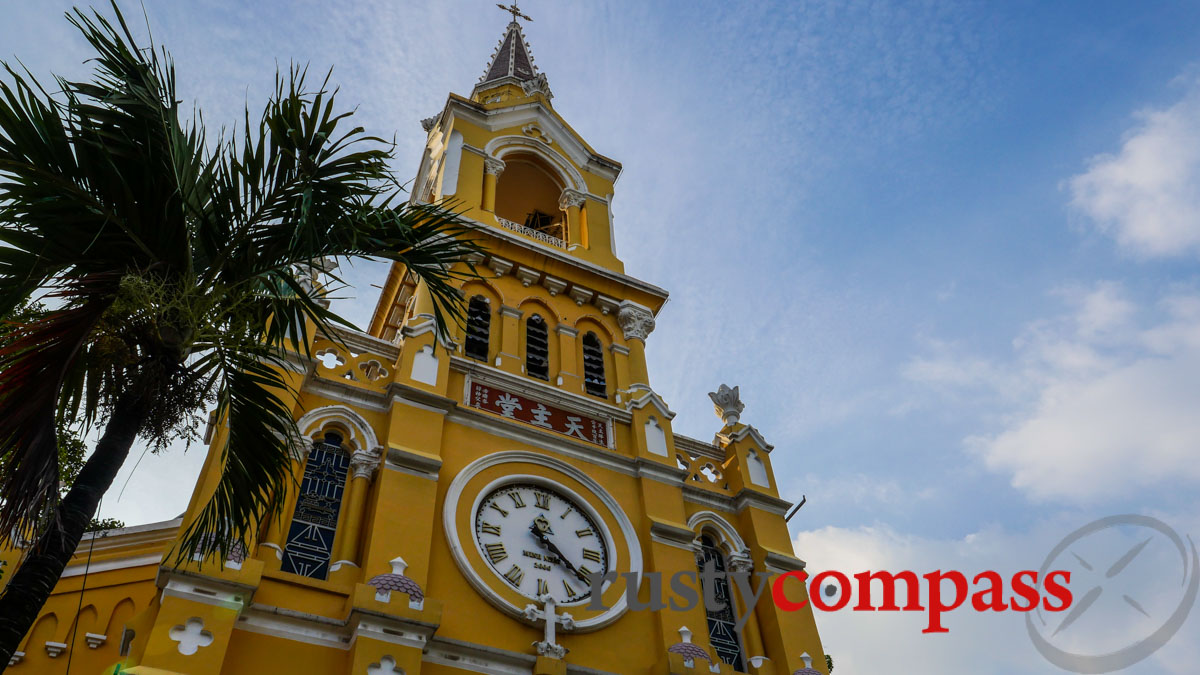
column 515, row 11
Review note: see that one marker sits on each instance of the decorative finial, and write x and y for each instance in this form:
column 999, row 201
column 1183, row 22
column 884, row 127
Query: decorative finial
column 515, row 11
column 691, row 652
column 385, row 584
column 728, row 404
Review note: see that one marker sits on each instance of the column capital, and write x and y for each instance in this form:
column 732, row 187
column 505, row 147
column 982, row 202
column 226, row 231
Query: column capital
column 571, row 198
column 493, row 166
column 364, row 462
column 636, row 321
column 741, row 561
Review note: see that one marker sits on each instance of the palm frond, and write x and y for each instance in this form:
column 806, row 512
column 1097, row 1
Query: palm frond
column 257, row 457
column 106, row 185
column 37, row 359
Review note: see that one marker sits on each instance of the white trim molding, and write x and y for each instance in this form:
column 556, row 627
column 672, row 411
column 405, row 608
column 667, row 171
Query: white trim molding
column 502, row 146
column 362, row 436
column 727, row 534
column 743, row 431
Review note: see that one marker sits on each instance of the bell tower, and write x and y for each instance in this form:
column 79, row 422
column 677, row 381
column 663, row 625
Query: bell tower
column 506, row 156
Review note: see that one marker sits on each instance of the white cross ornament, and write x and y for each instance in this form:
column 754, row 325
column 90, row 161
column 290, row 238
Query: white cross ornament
column 191, row 637
column 386, row 666
column 547, row 646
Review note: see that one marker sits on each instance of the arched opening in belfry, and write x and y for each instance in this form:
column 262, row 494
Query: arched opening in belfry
column 527, row 194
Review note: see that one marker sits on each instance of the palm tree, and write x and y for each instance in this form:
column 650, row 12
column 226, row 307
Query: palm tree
column 180, row 275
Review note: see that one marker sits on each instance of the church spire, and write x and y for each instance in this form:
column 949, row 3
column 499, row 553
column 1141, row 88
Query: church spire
column 512, row 61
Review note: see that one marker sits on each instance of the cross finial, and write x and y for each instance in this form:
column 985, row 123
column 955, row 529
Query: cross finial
column 547, row 646
column 515, row 11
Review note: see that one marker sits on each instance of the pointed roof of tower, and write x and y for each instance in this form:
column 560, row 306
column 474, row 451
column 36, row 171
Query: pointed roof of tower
column 511, row 58
column 513, row 62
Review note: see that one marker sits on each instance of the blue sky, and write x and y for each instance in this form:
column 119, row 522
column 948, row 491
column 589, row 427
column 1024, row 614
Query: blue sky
column 948, row 251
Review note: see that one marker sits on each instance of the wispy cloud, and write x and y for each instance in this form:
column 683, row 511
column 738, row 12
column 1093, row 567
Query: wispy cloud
column 1099, row 399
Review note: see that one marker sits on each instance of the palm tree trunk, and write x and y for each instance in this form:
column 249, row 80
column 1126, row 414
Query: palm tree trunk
column 30, row 586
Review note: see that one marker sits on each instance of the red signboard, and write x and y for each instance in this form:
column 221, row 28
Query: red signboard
column 517, row 407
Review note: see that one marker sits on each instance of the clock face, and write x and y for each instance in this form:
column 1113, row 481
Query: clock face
column 538, row 540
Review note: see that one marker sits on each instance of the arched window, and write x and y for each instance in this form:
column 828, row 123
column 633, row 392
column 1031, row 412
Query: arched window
column 479, row 319
column 593, row 366
column 721, row 622
column 537, row 348
column 314, row 522
column 527, row 193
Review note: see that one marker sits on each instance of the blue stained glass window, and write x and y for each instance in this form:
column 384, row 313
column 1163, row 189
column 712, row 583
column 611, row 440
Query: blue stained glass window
column 309, row 545
column 721, row 633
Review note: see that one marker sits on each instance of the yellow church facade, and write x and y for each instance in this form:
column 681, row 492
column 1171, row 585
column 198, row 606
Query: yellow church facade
column 454, row 498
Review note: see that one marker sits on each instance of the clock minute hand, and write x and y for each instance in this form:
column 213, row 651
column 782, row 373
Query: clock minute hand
column 545, row 541
column 562, row 558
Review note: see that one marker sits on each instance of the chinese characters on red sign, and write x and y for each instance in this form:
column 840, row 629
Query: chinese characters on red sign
column 517, row 407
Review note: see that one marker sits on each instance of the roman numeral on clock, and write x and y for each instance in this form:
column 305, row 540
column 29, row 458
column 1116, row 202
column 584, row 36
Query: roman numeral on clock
column 543, row 588
column 589, row 554
column 518, row 502
column 583, row 569
column 496, row 552
column 490, row 529
column 543, row 500
column 584, row 533
column 570, row 591
column 570, row 508
column 515, row 575
column 502, row 511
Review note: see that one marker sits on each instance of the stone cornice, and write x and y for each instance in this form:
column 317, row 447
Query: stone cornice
column 781, row 563
column 663, row 473
column 737, row 503
column 566, row 258
column 688, row 444
column 402, row 392
column 751, row 499
column 671, row 534
column 418, row 464
column 362, row 343
column 344, row 392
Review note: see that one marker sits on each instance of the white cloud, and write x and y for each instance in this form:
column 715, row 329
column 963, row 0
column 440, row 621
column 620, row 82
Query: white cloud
column 1096, row 401
column 996, row 642
column 1147, row 195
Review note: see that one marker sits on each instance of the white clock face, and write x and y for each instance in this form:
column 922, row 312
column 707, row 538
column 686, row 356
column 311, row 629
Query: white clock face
column 540, row 541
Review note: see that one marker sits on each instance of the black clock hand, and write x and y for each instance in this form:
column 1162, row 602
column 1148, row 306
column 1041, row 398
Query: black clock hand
column 567, row 563
column 549, row 545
